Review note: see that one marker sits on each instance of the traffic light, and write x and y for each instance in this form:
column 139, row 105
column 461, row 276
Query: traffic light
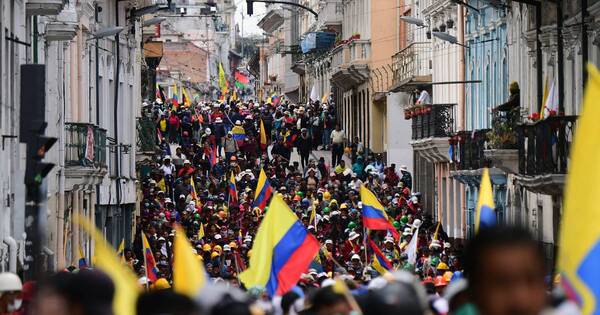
column 250, row 7
column 33, row 122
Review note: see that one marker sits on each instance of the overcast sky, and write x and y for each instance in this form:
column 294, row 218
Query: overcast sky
column 250, row 22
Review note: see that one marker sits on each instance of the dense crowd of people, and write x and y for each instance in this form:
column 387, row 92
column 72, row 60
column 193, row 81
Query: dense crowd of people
column 208, row 160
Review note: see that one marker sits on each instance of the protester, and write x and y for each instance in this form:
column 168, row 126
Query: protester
column 409, row 267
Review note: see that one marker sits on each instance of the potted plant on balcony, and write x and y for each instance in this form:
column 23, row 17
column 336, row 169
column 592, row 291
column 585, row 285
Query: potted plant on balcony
column 502, row 135
column 354, row 36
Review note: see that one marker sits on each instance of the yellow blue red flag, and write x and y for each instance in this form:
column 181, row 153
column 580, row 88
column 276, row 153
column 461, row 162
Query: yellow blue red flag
column 485, row 215
column 281, row 252
column 373, row 213
column 263, row 136
column 150, row 263
column 579, row 255
column 263, row 191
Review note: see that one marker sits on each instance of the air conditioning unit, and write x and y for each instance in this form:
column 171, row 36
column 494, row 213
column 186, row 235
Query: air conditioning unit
column 45, row 7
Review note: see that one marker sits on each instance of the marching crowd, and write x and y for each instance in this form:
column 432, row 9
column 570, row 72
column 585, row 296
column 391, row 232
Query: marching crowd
column 207, row 178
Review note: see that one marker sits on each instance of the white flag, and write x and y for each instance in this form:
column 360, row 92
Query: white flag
column 411, row 248
column 551, row 101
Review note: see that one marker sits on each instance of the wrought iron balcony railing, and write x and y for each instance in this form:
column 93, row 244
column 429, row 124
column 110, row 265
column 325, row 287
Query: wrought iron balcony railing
column 432, row 120
column 85, row 145
column 411, row 62
column 146, row 134
column 467, row 149
column 544, row 146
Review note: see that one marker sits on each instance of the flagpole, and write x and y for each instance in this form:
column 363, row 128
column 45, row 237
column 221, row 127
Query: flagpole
column 145, row 261
column 365, row 245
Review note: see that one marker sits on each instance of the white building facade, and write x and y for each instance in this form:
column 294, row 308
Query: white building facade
column 92, row 99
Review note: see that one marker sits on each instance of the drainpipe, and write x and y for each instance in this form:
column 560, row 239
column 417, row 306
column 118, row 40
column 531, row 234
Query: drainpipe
column 12, row 253
column 460, row 115
column 560, row 56
column 115, row 113
column 584, row 41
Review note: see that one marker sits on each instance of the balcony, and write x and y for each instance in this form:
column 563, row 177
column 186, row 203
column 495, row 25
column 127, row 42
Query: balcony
column 85, row 145
column 468, row 155
column 45, row 7
column 502, row 144
column 411, row 67
column 544, row 148
column 146, row 135
column 349, row 63
column 432, row 125
column 468, row 149
column 85, row 154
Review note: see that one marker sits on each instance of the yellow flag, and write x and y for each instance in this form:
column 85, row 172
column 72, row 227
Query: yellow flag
column 579, row 255
column 437, row 229
column 222, row 79
column 544, row 98
column 188, row 273
column 201, row 231
column 121, row 251
column 105, row 258
column 485, row 215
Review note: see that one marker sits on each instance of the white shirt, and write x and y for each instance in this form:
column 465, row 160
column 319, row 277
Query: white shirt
column 338, row 137
column 424, row 98
column 167, row 169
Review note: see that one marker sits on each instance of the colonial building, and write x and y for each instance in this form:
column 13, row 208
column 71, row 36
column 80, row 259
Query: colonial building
column 89, row 50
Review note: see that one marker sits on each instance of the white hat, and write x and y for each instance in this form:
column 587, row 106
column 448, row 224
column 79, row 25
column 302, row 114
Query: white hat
column 158, row 101
column 218, row 120
column 226, row 248
column 168, row 200
column 403, row 167
column 388, row 240
column 355, row 256
column 407, row 231
column 161, row 238
column 416, row 223
column 207, row 131
column 186, row 162
column 218, row 236
column 10, row 282
column 167, row 157
column 328, row 242
column 237, row 122
column 143, row 280
column 353, row 235
column 248, row 116
column 447, row 245
column 310, row 227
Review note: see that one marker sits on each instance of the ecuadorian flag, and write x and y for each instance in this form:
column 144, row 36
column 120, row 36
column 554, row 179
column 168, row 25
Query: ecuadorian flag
column 380, row 262
column 233, row 198
column 485, row 215
column 373, row 214
column 239, row 134
column 149, row 262
column 579, row 255
column 263, row 191
column 281, row 252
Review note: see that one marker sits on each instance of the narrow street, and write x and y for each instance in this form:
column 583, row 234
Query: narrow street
column 314, row 157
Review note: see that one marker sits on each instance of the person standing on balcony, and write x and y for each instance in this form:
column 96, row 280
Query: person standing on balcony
column 338, row 138
column 424, row 97
column 512, row 107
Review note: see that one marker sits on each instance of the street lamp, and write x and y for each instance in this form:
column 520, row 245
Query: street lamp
column 447, row 38
column 413, row 20
column 108, row 31
column 153, row 21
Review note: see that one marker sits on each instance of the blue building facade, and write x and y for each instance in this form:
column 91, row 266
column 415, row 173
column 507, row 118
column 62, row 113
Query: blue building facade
column 486, row 60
